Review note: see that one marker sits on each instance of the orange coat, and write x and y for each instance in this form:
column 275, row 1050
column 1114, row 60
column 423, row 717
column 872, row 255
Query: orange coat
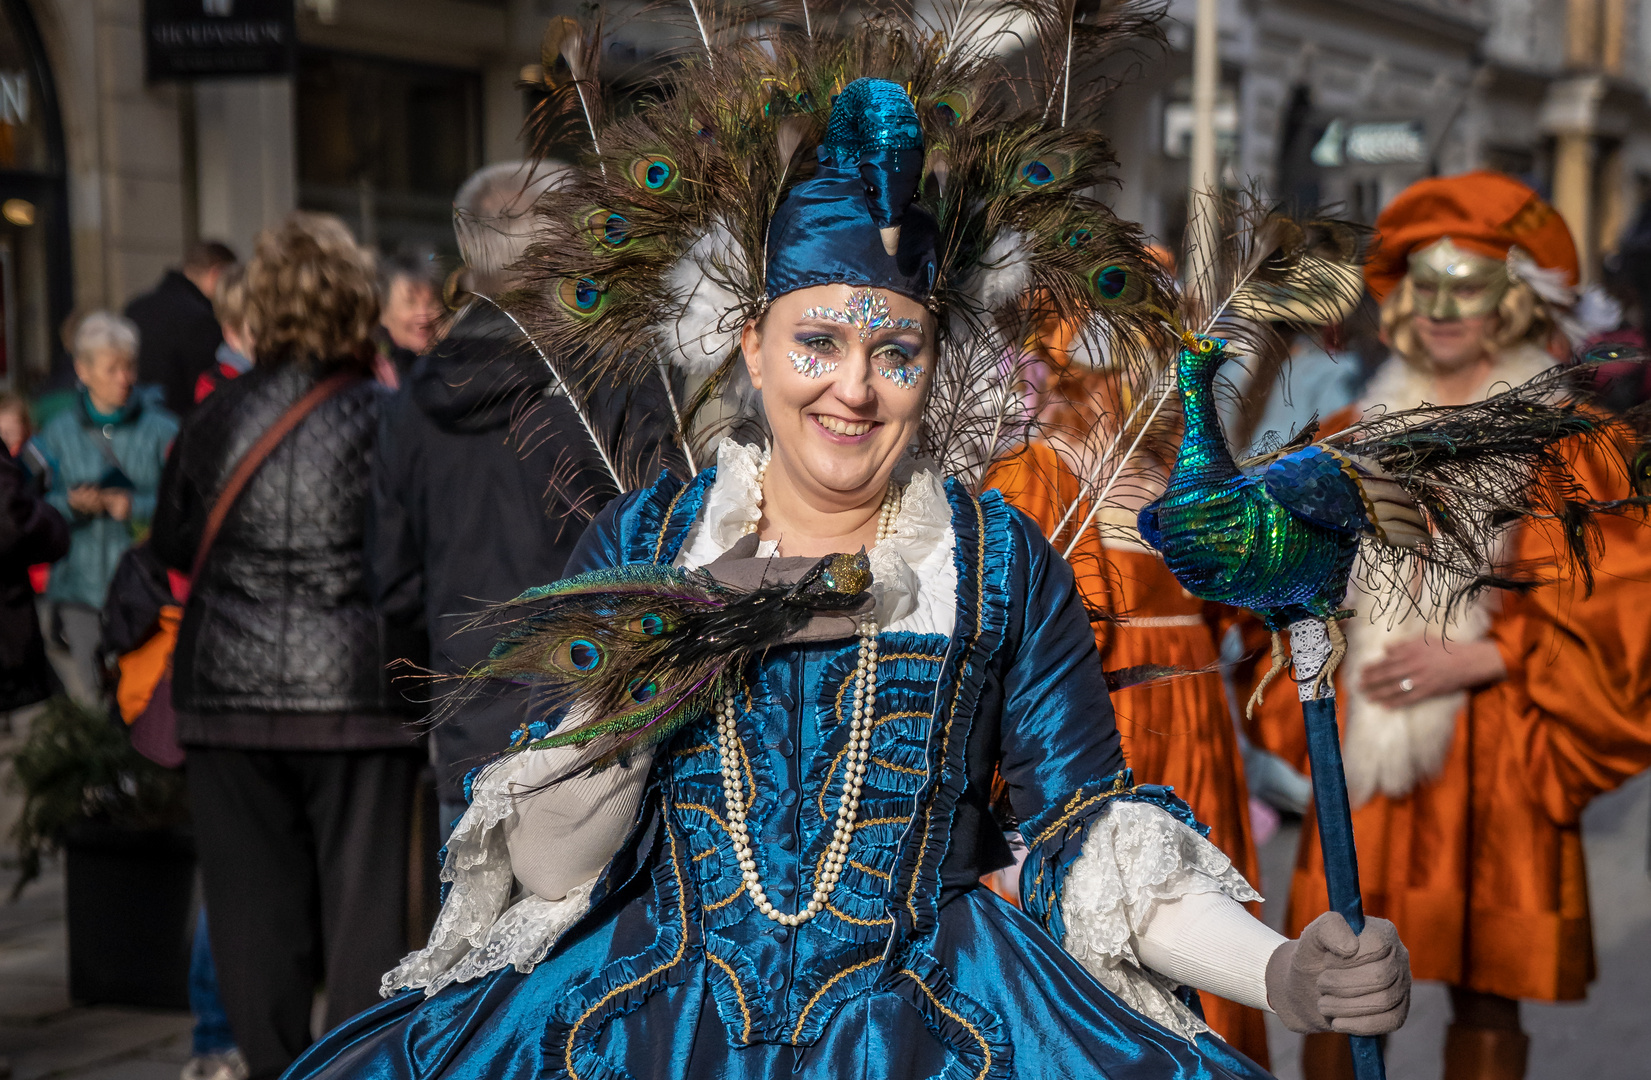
column 1177, row 731
column 1482, row 867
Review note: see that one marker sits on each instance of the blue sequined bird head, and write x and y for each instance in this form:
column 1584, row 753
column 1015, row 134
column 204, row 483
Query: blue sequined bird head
column 1201, row 355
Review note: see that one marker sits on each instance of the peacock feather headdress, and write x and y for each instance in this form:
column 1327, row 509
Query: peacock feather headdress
column 733, row 179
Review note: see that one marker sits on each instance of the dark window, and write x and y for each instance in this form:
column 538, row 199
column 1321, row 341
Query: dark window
column 35, row 283
column 385, row 145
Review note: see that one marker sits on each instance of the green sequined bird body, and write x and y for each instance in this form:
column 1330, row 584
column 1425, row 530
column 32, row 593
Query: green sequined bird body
column 1280, row 540
column 635, row 653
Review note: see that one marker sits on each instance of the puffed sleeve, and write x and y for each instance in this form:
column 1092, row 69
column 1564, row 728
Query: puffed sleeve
column 1103, row 851
column 1583, row 662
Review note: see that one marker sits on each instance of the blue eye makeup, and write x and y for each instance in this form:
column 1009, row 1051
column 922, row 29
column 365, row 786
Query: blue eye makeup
column 868, row 313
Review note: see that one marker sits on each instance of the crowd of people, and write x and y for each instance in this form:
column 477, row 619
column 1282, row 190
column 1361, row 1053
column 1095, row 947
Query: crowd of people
column 328, row 469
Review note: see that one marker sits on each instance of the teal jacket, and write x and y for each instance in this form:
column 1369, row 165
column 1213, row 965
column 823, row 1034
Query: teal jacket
column 79, row 451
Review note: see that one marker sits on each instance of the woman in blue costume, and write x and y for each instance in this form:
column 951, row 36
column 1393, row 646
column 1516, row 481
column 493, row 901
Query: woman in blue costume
column 789, row 885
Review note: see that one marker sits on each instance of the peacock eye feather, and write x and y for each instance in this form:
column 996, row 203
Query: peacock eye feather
column 1077, row 236
column 951, row 109
column 582, row 296
column 578, row 655
column 1045, row 169
column 657, row 174
column 611, row 229
column 651, row 624
column 1111, row 281
column 642, row 690
column 1037, row 174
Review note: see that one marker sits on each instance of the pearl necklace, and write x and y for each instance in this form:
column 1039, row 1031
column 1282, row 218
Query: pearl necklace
column 859, row 749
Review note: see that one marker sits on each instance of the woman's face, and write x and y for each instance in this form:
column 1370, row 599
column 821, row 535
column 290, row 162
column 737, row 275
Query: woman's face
column 109, row 375
column 844, row 373
column 1453, row 344
column 14, row 428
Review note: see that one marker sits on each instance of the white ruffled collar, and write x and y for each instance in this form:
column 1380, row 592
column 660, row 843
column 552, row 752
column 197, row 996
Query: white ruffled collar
column 914, row 579
column 1400, row 385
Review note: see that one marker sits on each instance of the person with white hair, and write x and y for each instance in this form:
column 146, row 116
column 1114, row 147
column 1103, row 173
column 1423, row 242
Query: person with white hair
column 104, row 456
column 483, row 480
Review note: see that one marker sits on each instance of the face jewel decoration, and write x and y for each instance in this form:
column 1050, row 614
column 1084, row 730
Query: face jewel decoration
column 904, row 376
column 867, row 311
column 1450, row 283
column 810, row 365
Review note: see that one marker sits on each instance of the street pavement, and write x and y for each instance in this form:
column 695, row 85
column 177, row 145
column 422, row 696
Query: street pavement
column 41, row 1033
column 1606, row 1037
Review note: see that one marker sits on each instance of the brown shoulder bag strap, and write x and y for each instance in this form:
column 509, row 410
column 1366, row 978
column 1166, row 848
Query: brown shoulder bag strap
column 260, row 450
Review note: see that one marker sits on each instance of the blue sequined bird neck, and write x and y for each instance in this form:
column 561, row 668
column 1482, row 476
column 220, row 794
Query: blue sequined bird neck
column 1204, row 455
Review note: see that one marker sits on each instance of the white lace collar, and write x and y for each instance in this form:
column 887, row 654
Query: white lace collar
column 914, row 577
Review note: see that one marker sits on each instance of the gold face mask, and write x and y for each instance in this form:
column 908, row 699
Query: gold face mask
column 1450, row 283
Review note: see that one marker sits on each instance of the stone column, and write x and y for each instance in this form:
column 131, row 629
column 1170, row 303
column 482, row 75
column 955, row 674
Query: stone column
column 1571, row 115
column 247, row 158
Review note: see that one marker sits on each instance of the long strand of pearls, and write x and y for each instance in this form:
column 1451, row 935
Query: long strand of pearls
column 858, row 750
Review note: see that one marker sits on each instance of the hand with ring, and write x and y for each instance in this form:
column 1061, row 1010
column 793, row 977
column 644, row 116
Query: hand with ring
column 1422, row 668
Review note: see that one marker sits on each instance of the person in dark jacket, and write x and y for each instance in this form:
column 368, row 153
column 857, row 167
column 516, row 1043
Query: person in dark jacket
column 178, row 333
column 300, row 766
column 30, row 532
column 484, row 480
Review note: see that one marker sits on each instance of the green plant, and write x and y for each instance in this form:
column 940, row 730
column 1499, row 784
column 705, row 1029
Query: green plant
column 77, row 766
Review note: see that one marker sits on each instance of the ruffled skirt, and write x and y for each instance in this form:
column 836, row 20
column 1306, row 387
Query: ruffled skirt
column 992, row 998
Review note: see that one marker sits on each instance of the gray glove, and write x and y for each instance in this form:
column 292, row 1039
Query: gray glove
column 1329, row 980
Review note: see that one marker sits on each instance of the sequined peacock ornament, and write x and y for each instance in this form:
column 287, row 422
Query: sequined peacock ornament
column 1426, row 490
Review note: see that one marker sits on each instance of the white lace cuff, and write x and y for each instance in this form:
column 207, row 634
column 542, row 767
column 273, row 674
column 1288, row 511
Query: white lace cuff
column 474, row 934
column 519, row 938
column 1134, row 856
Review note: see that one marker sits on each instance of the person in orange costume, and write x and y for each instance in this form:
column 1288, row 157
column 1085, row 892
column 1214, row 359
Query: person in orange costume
column 1176, row 731
column 1472, row 747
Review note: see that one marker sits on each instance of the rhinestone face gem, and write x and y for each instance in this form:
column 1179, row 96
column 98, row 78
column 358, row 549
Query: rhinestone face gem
column 868, row 312
column 810, row 365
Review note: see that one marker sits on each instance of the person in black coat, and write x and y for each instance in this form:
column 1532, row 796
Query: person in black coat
column 178, row 334
column 485, row 479
column 299, row 755
column 30, row 532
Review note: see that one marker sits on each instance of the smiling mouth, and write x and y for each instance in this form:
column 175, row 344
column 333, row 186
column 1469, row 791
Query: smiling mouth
column 844, row 427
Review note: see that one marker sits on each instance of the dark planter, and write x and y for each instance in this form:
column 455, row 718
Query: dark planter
column 130, row 895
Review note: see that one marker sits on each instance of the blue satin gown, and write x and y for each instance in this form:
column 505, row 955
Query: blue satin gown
column 914, row 970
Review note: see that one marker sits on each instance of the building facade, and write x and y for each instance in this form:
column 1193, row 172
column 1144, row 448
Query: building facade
column 390, row 105
column 106, row 175
column 1345, row 102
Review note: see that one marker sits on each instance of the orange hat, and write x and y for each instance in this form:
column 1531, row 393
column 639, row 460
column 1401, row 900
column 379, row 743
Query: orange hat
column 1484, row 212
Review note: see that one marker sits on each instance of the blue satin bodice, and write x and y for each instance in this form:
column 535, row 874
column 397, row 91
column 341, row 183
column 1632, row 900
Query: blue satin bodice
column 915, row 970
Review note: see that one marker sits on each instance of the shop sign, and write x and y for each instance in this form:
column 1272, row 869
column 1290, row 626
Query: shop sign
column 1384, row 142
column 14, row 98
column 195, row 39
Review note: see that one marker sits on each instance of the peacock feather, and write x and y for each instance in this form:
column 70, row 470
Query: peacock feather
column 636, row 652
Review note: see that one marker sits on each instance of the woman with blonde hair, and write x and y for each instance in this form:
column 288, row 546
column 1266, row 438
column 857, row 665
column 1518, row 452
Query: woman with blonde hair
column 1473, row 738
column 299, row 762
